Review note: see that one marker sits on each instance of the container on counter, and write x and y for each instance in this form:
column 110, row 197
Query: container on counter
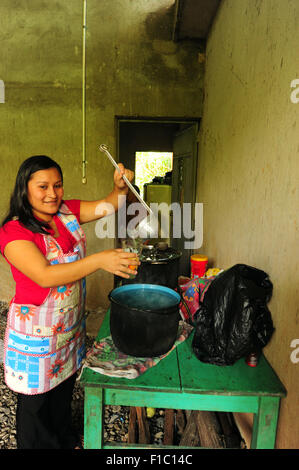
column 198, row 265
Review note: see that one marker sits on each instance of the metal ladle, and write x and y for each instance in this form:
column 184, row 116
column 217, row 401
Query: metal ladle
column 147, row 223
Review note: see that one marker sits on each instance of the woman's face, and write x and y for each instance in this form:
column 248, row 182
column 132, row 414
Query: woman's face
column 45, row 193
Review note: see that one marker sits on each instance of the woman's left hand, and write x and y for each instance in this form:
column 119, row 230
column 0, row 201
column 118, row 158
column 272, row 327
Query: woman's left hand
column 119, row 182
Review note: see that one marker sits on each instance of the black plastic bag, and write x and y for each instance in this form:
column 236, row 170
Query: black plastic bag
column 233, row 319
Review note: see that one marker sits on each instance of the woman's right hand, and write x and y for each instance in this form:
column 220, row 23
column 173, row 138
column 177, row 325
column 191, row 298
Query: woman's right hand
column 119, row 262
column 28, row 259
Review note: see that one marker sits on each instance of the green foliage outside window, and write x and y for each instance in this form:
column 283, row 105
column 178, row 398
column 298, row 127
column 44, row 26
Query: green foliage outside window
column 151, row 164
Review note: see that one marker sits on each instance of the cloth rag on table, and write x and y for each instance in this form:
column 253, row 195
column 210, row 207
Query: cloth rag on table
column 105, row 358
column 192, row 294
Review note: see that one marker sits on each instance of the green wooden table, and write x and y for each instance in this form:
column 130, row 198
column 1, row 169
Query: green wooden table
column 181, row 381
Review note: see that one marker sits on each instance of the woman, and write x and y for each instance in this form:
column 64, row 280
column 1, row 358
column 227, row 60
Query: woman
column 42, row 240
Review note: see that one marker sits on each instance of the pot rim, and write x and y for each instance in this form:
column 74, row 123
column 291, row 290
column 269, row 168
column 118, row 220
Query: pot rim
column 163, row 261
column 149, row 287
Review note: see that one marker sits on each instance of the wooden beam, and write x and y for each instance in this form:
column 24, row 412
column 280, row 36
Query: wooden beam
column 180, row 420
column 209, row 430
column 229, row 430
column 132, row 425
column 190, row 436
column 168, row 427
column 143, row 428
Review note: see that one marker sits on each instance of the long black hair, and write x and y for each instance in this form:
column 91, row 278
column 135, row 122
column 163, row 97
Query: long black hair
column 19, row 205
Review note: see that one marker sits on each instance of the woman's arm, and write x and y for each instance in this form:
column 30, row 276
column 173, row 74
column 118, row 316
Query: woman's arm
column 28, row 259
column 93, row 210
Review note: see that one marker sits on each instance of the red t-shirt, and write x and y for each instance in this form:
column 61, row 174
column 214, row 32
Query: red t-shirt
column 27, row 291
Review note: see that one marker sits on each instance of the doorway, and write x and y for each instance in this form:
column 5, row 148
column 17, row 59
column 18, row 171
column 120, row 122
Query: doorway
column 178, row 137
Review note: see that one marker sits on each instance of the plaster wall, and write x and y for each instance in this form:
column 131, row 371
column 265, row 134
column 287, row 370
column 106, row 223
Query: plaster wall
column 248, row 169
column 133, row 69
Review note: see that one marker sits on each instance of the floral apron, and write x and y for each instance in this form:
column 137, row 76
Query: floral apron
column 45, row 344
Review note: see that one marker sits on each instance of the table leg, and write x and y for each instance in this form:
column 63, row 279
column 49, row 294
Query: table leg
column 265, row 423
column 93, row 418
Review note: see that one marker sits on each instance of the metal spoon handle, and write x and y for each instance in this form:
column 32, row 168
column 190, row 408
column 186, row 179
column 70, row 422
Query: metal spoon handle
column 104, row 149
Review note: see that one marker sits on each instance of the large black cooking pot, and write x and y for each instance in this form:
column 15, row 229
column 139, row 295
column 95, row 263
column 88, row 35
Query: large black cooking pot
column 144, row 319
column 157, row 267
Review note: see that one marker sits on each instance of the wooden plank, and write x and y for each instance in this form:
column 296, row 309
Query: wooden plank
column 143, row 428
column 180, row 422
column 265, row 424
column 132, row 425
column 190, row 436
column 209, row 430
column 238, row 379
column 93, row 418
column 230, row 432
column 224, row 422
column 168, row 460
column 168, row 427
column 131, row 397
